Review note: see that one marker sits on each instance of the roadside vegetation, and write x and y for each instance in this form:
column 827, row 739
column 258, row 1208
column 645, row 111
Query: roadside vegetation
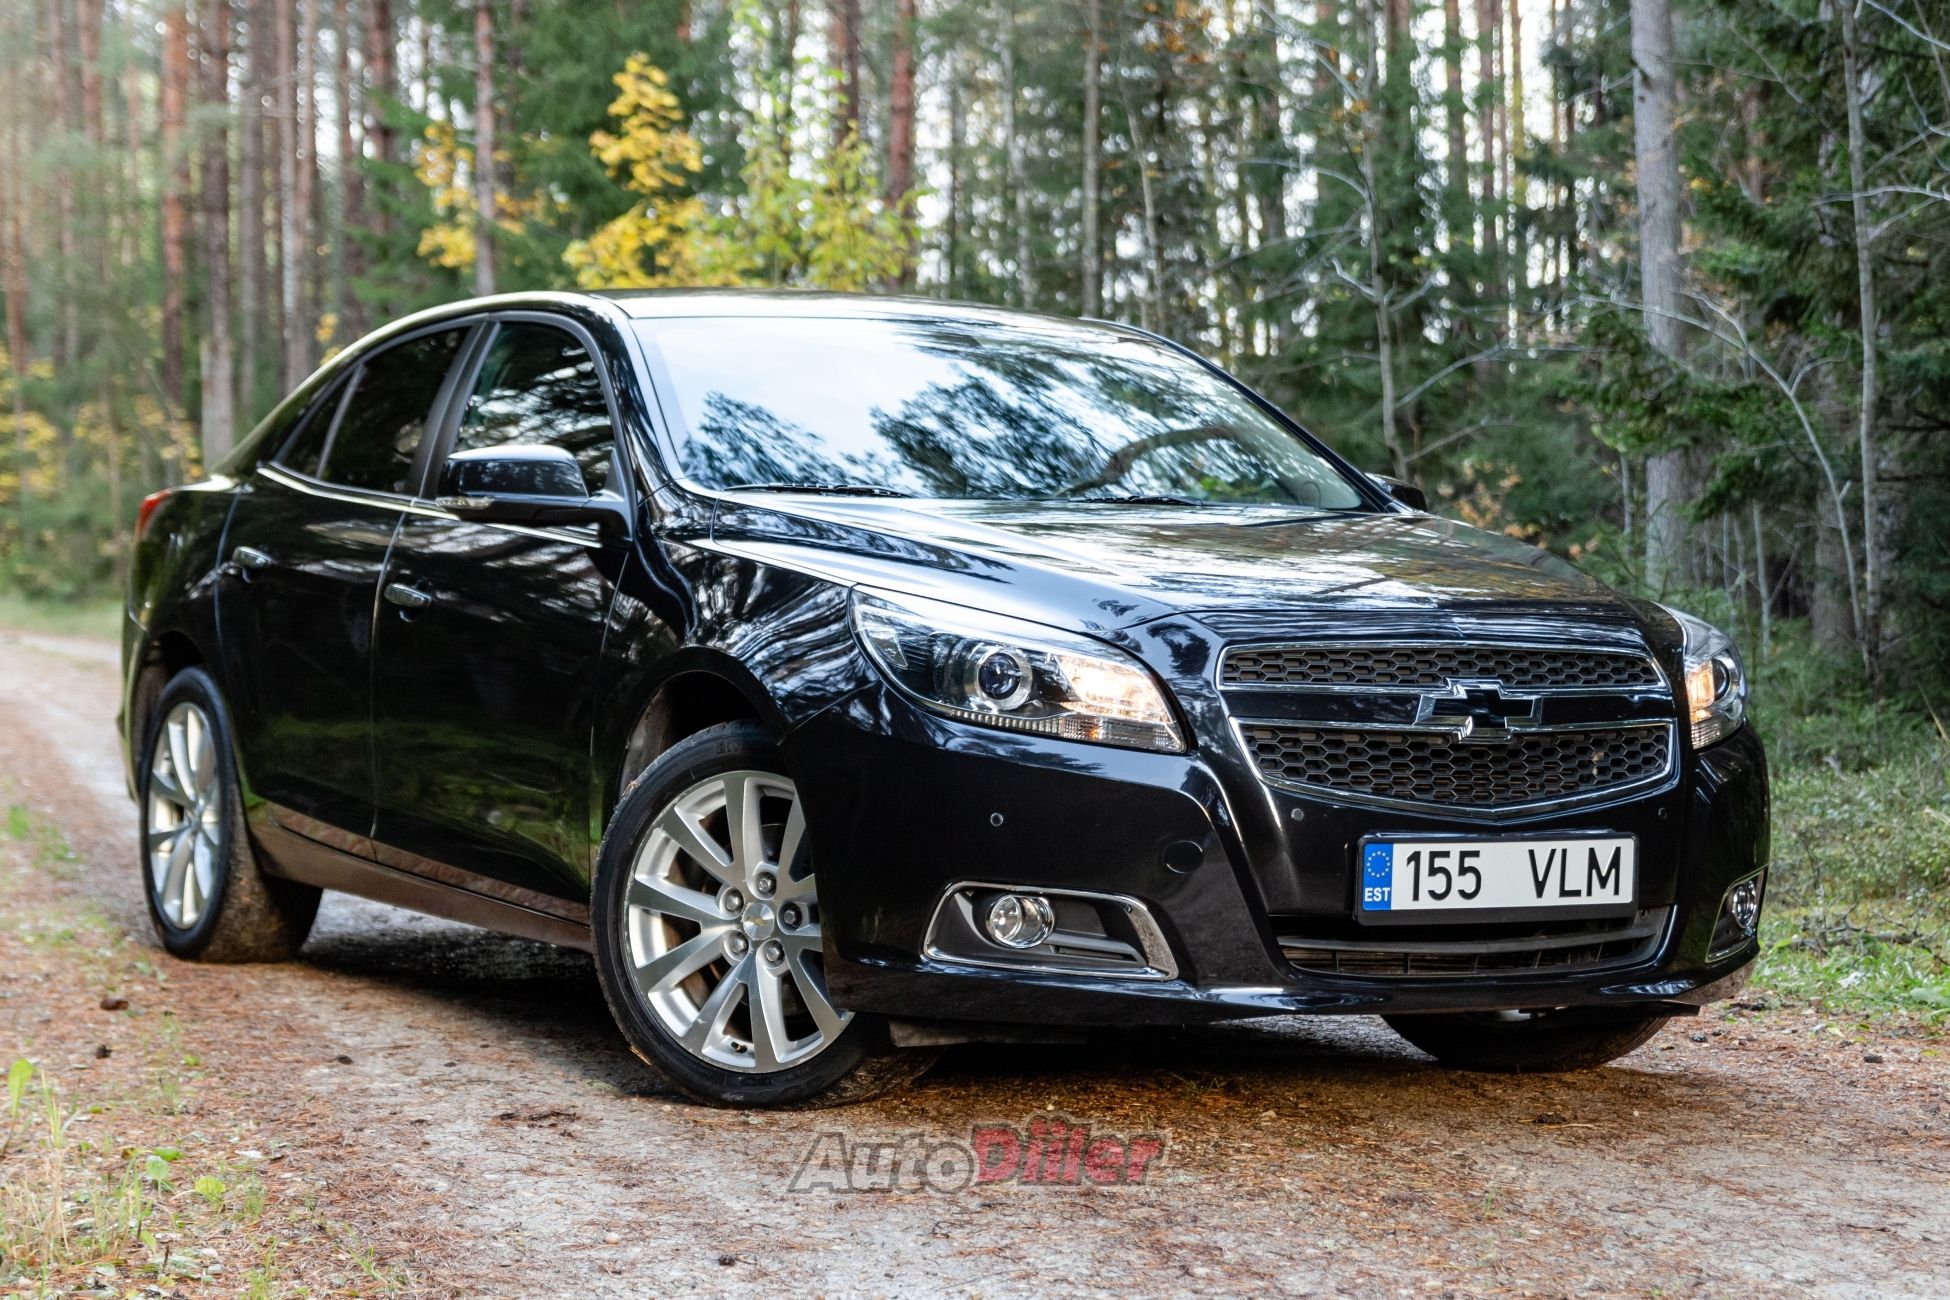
column 1858, row 910
column 115, row 1178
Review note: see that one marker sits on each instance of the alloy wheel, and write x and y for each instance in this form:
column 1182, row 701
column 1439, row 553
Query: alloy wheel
column 185, row 816
column 721, row 926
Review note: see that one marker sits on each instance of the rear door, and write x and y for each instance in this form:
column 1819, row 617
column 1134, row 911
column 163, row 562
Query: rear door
column 306, row 545
column 488, row 642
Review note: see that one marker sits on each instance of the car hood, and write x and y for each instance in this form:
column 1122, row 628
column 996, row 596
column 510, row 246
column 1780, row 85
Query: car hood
column 1102, row 567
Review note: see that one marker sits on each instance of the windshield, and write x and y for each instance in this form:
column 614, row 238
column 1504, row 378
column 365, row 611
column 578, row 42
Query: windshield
column 958, row 409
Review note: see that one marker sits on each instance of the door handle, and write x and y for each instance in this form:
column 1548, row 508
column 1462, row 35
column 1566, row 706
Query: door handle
column 250, row 559
column 398, row 593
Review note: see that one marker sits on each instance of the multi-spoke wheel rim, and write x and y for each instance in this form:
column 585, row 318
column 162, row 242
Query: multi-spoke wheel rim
column 185, row 816
column 721, row 926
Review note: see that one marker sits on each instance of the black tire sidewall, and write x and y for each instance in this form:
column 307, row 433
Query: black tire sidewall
column 195, row 686
column 725, row 748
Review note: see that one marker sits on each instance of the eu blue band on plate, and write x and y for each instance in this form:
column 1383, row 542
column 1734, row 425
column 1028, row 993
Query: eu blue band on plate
column 1377, row 877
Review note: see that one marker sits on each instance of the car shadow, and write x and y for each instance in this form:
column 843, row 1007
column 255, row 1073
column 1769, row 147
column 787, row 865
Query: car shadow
column 548, row 1000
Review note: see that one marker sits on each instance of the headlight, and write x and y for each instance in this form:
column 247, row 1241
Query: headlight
column 1002, row 672
column 1716, row 681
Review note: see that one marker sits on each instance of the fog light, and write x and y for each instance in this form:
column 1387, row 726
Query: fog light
column 1019, row 920
column 1743, row 905
column 1739, row 917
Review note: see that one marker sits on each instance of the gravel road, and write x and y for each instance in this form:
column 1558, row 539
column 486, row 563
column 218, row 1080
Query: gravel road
column 462, row 1099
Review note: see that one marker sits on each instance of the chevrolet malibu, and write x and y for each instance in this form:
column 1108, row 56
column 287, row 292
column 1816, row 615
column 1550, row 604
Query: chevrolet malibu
column 853, row 676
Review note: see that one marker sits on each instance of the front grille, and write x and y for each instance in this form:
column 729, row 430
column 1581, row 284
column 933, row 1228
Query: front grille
column 1548, row 949
column 1526, row 668
column 1437, row 768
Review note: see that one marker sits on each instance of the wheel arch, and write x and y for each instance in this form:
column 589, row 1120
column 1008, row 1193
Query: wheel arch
column 168, row 652
column 702, row 692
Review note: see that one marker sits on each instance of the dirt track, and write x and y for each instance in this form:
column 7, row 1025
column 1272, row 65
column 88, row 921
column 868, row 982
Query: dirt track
column 489, row 1132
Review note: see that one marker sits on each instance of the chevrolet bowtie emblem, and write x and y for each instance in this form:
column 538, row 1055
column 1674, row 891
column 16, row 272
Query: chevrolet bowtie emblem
column 1479, row 710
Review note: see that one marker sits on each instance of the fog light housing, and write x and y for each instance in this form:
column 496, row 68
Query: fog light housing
column 1019, row 920
column 1739, row 919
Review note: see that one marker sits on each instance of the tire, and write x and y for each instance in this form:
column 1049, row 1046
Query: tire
column 208, row 899
column 1525, row 1043
column 695, row 927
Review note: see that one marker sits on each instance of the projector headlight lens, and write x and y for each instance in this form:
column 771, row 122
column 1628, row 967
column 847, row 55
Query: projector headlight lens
column 1004, row 672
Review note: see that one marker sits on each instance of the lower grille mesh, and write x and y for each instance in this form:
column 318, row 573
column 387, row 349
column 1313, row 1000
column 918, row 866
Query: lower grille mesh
column 1625, row 943
column 1436, row 768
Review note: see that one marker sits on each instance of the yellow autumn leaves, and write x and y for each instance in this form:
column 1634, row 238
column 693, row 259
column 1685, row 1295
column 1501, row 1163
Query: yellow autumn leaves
column 816, row 219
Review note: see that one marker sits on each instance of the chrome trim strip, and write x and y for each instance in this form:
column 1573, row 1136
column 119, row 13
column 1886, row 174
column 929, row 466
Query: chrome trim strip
column 1156, row 951
column 413, row 506
column 1659, row 679
column 1475, row 812
column 1451, row 733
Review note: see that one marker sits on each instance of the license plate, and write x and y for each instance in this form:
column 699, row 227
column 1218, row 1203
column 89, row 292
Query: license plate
column 1408, row 879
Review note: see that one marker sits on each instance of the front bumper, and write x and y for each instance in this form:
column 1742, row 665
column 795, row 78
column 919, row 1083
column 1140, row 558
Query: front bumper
column 904, row 805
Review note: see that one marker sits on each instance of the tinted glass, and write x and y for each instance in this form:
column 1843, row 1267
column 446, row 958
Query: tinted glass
column 956, row 409
column 386, row 413
column 305, row 453
column 538, row 385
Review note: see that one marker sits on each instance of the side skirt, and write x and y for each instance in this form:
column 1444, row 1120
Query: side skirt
column 295, row 857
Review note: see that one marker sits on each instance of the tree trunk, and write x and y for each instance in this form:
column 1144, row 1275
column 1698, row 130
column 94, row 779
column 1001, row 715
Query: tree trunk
column 1379, row 286
column 309, row 295
column 1091, row 239
column 89, row 31
column 900, row 122
column 1519, row 186
column 1452, row 46
column 95, row 222
column 291, row 261
column 1018, row 184
column 345, row 302
column 380, row 92
column 217, row 359
column 1488, row 25
column 957, row 146
column 250, row 208
column 1668, row 478
column 844, row 32
column 483, row 147
column 13, row 282
column 1866, row 294
column 64, row 74
column 175, row 162
column 1828, row 604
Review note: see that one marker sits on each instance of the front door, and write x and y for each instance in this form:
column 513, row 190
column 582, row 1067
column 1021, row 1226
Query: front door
column 307, row 542
column 487, row 647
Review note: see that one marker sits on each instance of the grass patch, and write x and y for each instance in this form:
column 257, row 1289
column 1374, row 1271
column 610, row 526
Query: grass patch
column 96, row 616
column 112, row 1181
column 1858, row 915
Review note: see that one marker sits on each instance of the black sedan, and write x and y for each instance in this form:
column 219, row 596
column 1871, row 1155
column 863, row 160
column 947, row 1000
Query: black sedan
column 854, row 676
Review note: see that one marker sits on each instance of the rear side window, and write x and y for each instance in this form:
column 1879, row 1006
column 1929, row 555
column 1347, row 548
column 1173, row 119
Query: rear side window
column 371, row 443
column 305, row 452
column 538, row 386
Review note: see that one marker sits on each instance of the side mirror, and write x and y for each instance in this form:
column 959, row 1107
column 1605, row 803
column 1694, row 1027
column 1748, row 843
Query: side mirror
column 522, row 484
column 1406, row 493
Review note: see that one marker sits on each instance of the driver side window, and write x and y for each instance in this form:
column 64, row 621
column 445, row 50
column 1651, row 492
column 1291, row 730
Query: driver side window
column 538, row 386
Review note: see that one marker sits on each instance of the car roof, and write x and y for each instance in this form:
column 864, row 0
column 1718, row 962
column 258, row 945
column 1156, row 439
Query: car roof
column 656, row 304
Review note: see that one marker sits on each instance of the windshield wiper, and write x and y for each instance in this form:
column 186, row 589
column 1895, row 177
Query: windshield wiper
column 825, row 489
column 1134, row 499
